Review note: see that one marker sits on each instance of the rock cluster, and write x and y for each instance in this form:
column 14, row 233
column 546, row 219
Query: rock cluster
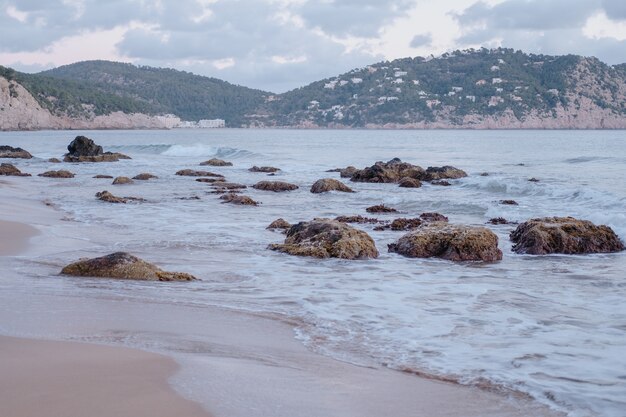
column 381, row 208
column 10, row 152
column 83, row 149
column 408, row 175
column 110, row 198
column 194, row 173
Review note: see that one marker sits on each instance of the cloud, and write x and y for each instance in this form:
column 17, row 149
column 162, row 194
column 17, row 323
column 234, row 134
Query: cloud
column 421, row 40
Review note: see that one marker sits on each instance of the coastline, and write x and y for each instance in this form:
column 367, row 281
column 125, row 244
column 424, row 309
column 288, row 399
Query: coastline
column 233, row 363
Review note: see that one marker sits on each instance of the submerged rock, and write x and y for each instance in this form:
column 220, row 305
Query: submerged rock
column 110, row 198
column 221, row 185
column 444, row 173
column 194, row 173
column 57, row 174
column 122, row 181
column 242, row 200
column 381, row 208
column 281, row 224
column 442, row 183
column 325, row 238
column 565, row 235
column 347, row 172
column 276, row 186
column 214, row 162
column 11, row 170
column 509, row 202
column 401, row 224
column 264, row 169
column 144, row 176
column 388, row 172
column 451, row 242
column 83, row 149
column 328, row 184
column 407, row 182
column 533, row 179
column 498, row 220
column 10, row 152
column 100, row 176
column 122, row 265
column 54, row 160
column 433, row 217
column 211, row 180
column 357, row 219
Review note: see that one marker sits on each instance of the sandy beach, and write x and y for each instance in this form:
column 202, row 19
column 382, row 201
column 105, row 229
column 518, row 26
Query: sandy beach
column 14, row 237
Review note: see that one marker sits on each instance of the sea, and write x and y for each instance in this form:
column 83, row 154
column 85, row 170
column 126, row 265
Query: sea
column 553, row 327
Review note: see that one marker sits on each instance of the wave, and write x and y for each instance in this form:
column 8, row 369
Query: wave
column 194, row 150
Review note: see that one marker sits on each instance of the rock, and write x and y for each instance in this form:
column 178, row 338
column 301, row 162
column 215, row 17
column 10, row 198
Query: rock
column 325, row 238
column 484, row 174
column 433, row 217
column 99, row 176
column 83, row 149
column 509, row 202
column 242, row 200
column 533, row 179
column 498, row 220
column 228, row 185
column 54, row 160
column 276, row 186
column 193, row 197
column 263, row 169
column 451, row 242
column 281, row 224
column 407, row 182
column 10, row 152
column 401, row 224
column 122, row 180
column 110, row 198
column 356, row 219
column 381, row 208
column 57, row 174
column 214, row 162
column 144, row 176
column 443, row 173
column 388, row 172
column 565, row 235
column 194, row 173
column 328, row 184
column 11, row 170
column 442, row 183
column 347, row 172
column 123, row 266
column 211, row 180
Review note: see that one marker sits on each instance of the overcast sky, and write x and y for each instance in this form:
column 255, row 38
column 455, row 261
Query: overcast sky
column 277, row 45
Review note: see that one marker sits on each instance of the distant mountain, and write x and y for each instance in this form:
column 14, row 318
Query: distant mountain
column 497, row 88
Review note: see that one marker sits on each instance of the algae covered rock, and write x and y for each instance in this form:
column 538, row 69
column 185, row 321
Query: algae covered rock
column 122, row 181
column 11, row 152
column 388, row 172
column 122, row 265
column 407, row 182
column 57, row 174
column 265, row 169
column 214, row 162
column 280, row 224
column 241, row 200
column 195, row 173
column 444, row 173
column 381, row 208
column 144, row 176
column 325, row 238
column 451, row 242
column 565, row 235
column 328, row 184
column 275, row 186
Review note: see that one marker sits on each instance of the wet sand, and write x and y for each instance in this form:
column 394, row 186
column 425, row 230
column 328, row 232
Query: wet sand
column 14, row 237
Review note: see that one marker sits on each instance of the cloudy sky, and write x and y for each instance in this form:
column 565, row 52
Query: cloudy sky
column 277, row 45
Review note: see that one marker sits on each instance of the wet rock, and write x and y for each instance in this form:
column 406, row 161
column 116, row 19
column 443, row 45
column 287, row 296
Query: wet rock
column 214, row 162
column 325, row 238
column 144, row 176
column 11, row 170
column 57, row 174
column 381, row 208
column 83, row 149
column 211, row 180
column 110, row 198
column 509, row 202
column 193, row 197
column 122, row 265
column 401, row 224
column 194, row 173
column 388, row 172
column 433, row 217
column 407, row 182
column 444, row 173
column 442, row 183
column 263, row 169
column 484, row 174
column 357, row 219
column 347, row 172
column 328, row 184
column 533, row 179
column 100, row 176
column 451, row 242
column 280, row 224
column 228, row 185
column 565, row 235
column 242, row 200
column 54, row 160
column 122, row 181
column 275, row 186
column 10, row 152
column 498, row 220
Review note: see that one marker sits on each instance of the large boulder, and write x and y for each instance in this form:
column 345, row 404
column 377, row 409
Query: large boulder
column 276, row 186
column 328, row 184
column 444, row 173
column 83, row 149
column 325, row 238
column 57, row 174
column 451, row 242
column 565, row 235
column 122, row 265
column 389, row 172
column 214, row 162
column 10, row 152
column 11, row 170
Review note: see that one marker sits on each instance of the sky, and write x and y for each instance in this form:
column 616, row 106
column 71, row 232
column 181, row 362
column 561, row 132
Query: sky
column 278, row 45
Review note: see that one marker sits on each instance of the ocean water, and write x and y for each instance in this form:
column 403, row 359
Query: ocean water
column 552, row 326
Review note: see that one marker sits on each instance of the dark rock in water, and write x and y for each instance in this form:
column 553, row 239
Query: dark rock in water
column 442, row 183
column 433, row 217
column 533, row 179
column 54, row 161
column 347, row 172
column 194, row 173
column 388, row 172
column 357, row 219
column 281, row 224
column 275, row 186
column 381, row 208
column 193, row 197
column 144, row 176
column 484, row 174
column 509, row 202
column 328, row 184
column 10, row 152
column 228, row 185
column 565, row 235
column 211, row 180
column 443, row 173
column 99, row 176
column 11, row 170
column 83, row 149
column 401, row 224
column 110, row 198
column 122, row 265
column 122, row 180
column 451, row 242
column 325, row 238
column 57, row 174
column 407, row 182
column 242, row 200
column 214, row 162
column 498, row 220
column 263, row 169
